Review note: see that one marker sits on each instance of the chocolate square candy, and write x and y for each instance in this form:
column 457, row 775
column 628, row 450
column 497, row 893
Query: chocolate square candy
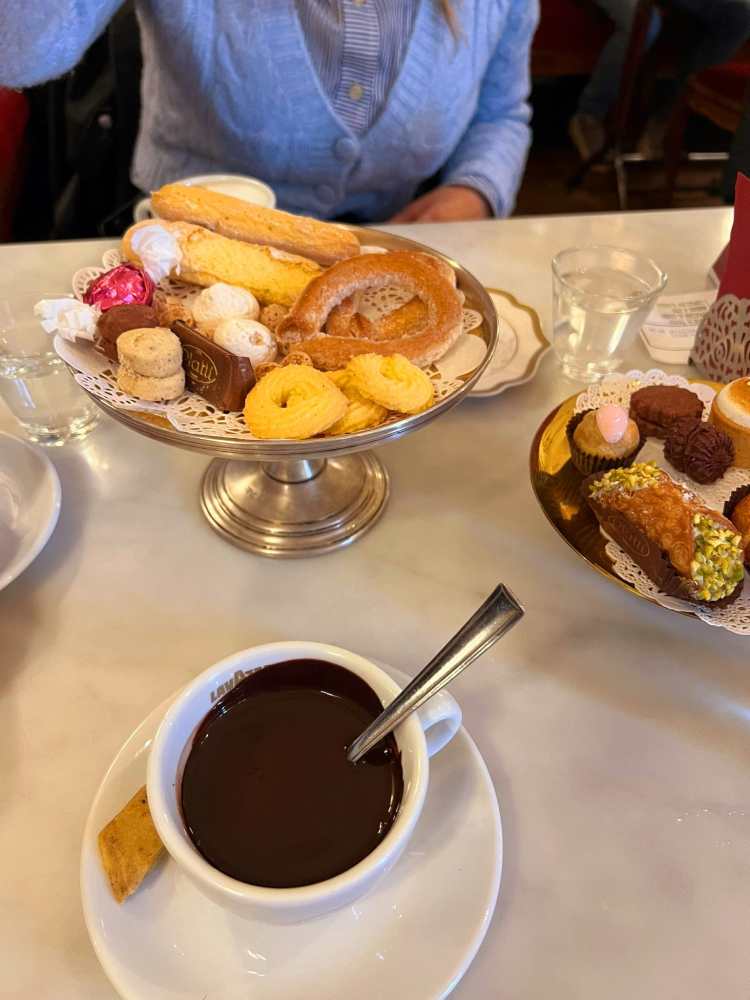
column 223, row 379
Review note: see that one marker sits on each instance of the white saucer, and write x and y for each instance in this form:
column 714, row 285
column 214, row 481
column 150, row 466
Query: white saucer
column 411, row 938
column 521, row 345
column 29, row 505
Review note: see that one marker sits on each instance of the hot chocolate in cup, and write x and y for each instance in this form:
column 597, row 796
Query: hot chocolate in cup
column 180, row 756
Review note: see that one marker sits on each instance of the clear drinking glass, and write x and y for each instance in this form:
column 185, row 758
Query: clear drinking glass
column 601, row 297
column 36, row 385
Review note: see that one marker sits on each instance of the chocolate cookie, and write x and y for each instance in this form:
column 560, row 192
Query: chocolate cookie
column 699, row 449
column 656, row 407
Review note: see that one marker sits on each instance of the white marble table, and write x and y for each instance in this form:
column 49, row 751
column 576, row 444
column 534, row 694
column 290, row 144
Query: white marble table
column 616, row 732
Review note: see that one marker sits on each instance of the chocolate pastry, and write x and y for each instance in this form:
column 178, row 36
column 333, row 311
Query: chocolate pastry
column 699, row 449
column 222, row 378
column 120, row 319
column 689, row 550
column 737, row 509
column 656, row 407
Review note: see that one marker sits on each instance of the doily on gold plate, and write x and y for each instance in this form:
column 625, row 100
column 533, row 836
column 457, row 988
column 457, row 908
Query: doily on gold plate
column 617, row 389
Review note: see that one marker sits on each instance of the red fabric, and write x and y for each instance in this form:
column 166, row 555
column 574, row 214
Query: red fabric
column 730, row 80
column 14, row 114
column 567, row 24
column 736, row 279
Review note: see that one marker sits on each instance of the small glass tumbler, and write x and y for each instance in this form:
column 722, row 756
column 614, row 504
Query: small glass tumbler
column 37, row 386
column 601, row 297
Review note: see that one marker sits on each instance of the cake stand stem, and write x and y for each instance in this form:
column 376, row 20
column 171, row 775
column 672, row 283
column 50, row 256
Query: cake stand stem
column 297, row 507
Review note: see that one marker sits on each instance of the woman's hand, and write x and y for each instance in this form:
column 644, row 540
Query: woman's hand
column 451, row 203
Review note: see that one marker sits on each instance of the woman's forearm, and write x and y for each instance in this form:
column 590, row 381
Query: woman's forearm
column 492, row 152
column 42, row 39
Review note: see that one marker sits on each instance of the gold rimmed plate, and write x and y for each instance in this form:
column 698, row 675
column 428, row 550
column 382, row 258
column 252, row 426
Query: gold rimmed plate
column 521, row 345
column 557, row 486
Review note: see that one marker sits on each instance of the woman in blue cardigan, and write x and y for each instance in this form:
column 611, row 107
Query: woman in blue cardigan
column 345, row 107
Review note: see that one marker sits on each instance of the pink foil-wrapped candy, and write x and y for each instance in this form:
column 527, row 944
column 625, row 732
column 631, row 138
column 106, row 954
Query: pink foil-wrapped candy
column 124, row 285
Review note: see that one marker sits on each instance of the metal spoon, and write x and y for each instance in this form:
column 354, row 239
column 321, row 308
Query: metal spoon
column 497, row 615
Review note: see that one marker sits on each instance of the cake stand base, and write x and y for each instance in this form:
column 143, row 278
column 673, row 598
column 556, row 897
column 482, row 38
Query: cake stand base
column 299, row 507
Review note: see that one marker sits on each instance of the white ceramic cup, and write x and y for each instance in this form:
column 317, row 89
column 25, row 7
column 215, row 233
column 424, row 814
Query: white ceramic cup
column 241, row 186
column 418, row 737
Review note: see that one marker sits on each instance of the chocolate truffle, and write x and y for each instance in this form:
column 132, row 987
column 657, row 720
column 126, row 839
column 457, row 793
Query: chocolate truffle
column 120, row 319
column 656, row 407
column 698, row 449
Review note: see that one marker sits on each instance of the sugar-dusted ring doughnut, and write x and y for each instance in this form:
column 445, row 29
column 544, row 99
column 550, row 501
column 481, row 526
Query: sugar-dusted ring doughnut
column 304, row 326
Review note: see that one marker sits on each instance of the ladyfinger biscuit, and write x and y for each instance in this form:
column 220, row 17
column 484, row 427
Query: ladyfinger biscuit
column 240, row 220
column 208, row 258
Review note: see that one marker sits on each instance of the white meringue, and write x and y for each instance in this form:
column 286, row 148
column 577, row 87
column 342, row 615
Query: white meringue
column 221, row 301
column 158, row 251
column 72, row 319
column 246, row 338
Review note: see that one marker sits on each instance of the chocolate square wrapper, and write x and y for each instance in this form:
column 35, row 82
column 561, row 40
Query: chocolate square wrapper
column 586, row 463
column 651, row 558
column 220, row 377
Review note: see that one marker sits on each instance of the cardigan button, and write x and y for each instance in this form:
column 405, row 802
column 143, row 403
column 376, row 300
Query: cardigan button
column 345, row 150
column 326, row 194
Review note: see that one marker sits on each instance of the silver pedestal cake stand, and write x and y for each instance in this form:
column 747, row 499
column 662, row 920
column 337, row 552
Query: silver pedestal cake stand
column 299, row 498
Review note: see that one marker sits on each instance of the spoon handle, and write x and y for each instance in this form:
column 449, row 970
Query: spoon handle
column 497, row 615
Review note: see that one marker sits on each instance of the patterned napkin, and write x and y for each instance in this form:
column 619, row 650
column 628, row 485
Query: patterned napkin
column 722, row 346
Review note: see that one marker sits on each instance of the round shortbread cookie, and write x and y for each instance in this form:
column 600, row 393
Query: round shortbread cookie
column 154, row 352
column 154, row 390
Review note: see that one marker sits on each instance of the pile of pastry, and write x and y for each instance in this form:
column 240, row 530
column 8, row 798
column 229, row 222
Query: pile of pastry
column 258, row 311
column 688, row 549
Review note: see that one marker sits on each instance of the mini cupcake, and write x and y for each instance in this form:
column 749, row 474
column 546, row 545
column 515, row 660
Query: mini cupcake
column 603, row 439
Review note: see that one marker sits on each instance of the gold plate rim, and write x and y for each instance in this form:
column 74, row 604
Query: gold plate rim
column 536, row 470
column 536, row 357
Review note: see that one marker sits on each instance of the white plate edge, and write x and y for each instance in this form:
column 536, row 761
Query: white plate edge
column 9, row 576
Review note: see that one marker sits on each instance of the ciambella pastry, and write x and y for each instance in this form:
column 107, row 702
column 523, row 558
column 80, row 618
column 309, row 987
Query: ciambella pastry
column 201, row 257
column 656, row 407
column 737, row 509
column 304, row 327
column 221, row 301
column 730, row 412
column 393, row 382
column 689, row 550
column 602, row 439
column 699, row 449
column 345, row 319
column 150, row 364
column 323, row 242
column 294, row 401
column 361, row 414
column 247, row 338
column 118, row 320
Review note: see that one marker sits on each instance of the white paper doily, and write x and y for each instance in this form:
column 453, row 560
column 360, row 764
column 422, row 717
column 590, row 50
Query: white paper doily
column 617, row 388
column 191, row 413
column 734, row 618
